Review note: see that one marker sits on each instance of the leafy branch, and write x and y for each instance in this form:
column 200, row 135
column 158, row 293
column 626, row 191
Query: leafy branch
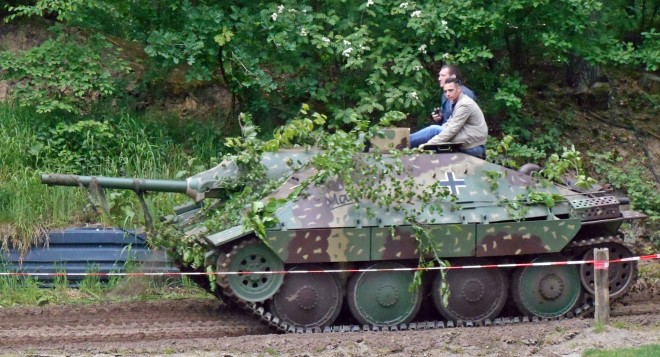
column 558, row 168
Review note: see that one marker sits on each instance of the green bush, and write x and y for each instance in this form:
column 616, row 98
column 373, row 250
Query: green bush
column 80, row 147
column 64, row 73
column 633, row 178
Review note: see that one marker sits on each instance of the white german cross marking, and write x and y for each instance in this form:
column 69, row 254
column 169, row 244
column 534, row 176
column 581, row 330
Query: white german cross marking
column 452, row 183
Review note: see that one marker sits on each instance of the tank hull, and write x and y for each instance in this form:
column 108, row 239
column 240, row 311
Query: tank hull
column 359, row 242
column 335, row 255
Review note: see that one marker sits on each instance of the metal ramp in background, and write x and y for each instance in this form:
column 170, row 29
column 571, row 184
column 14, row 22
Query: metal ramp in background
column 81, row 250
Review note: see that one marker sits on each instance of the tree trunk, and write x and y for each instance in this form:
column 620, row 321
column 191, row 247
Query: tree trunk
column 580, row 75
column 514, row 46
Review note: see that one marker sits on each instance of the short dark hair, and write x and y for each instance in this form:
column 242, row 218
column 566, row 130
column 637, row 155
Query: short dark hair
column 453, row 80
column 453, row 70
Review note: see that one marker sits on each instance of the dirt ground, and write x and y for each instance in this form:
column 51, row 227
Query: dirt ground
column 206, row 327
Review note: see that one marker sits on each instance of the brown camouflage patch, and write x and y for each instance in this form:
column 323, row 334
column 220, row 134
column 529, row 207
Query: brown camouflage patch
column 401, row 245
column 321, row 245
column 504, row 243
column 393, row 138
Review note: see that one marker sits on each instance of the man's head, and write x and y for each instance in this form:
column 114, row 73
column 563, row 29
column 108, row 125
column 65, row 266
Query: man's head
column 446, row 72
column 452, row 89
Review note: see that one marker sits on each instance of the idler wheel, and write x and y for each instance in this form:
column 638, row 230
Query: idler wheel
column 474, row 294
column 249, row 257
column 546, row 291
column 621, row 275
column 383, row 298
column 308, row 299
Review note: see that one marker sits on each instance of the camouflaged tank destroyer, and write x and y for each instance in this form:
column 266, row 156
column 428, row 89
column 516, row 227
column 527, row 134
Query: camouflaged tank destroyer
column 358, row 254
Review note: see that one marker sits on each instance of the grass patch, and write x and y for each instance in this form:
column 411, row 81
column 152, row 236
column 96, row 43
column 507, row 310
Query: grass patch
column 643, row 351
column 272, row 352
column 20, row 291
column 599, row 327
column 619, row 325
column 104, row 143
column 649, row 270
column 27, row 291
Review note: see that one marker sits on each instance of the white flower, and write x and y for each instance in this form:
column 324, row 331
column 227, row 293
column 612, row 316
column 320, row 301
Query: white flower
column 347, row 43
column 413, row 95
column 370, row 2
column 280, row 9
column 445, row 56
column 291, row 11
column 403, row 5
column 444, row 23
column 418, row 67
column 347, row 52
column 274, row 16
column 303, row 32
column 422, row 49
column 416, row 13
column 325, row 39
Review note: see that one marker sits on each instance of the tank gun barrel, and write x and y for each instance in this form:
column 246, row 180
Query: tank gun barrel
column 207, row 184
column 135, row 184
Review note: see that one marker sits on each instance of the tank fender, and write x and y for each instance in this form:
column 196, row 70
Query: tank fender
column 228, row 235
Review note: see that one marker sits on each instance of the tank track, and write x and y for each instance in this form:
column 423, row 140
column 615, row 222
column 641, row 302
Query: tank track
column 584, row 243
column 223, row 263
column 267, row 318
column 276, row 325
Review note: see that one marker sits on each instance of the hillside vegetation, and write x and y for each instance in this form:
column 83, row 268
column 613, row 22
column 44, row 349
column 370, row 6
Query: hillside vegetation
column 142, row 89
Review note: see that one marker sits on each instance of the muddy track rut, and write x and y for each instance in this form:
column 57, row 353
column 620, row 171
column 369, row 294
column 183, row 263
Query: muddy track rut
column 207, row 327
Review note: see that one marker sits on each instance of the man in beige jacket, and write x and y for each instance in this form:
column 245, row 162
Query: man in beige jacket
column 467, row 124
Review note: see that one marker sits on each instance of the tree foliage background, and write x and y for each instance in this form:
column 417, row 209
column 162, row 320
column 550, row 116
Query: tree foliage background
column 346, row 58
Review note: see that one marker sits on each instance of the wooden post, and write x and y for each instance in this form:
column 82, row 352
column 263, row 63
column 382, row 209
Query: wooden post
column 601, row 285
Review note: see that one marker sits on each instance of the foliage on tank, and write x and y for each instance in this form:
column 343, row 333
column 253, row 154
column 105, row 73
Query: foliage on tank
column 383, row 178
column 335, row 159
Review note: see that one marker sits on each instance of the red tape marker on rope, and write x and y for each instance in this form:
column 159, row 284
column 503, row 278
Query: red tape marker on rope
column 601, row 264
